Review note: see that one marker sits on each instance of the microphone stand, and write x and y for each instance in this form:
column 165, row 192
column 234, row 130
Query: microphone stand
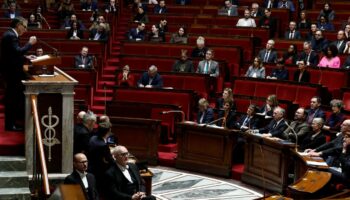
column 213, row 122
column 295, row 134
column 42, row 17
column 175, row 111
column 55, row 51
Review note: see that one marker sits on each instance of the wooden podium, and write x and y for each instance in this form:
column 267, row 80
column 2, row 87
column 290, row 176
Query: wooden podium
column 44, row 65
column 55, row 95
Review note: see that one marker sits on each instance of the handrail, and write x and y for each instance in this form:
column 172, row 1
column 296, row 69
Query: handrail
column 40, row 145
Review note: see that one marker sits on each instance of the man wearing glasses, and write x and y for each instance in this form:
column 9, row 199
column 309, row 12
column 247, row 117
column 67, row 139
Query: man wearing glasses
column 123, row 180
column 12, row 60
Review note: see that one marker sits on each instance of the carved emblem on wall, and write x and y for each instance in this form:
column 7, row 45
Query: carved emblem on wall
column 50, row 121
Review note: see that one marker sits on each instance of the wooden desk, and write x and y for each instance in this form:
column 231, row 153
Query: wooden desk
column 205, row 149
column 147, row 177
column 267, row 163
column 139, row 135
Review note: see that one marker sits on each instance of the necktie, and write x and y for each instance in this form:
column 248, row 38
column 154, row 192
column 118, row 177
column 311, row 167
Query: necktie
column 339, row 44
column 291, row 35
column 284, row 5
column 206, row 67
column 266, row 58
column 269, row 4
column 274, row 125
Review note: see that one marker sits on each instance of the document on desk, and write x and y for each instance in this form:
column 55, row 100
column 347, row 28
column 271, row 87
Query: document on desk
column 315, row 163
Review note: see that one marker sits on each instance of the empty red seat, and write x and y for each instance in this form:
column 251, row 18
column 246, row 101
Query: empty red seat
column 304, row 94
column 263, row 89
column 286, row 92
column 346, row 100
column 244, row 87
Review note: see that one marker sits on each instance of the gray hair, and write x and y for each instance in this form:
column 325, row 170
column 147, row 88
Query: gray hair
column 337, row 102
column 89, row 116
column 319, row 121
column 153, row 68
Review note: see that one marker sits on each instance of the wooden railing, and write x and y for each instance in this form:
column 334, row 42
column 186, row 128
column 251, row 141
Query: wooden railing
column 42, row 183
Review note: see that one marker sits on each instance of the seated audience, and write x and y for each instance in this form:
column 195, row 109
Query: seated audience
column 286, row 4
column 100, row 20
column 268, row 22
column 276, row 127
column 208, row 65
column 227, row 95
column 327, row 12
column 151, row 78
column 309, row 56
column 319, row 43
column 228, row 114
column 100, row 158
column 205, row 113
column 270, row 4
column 39, row 51
column 163, row 27
column 315, row 110
column 200, row 50
column 279, row 73
column 65, row 9
column 155, row 35
column 324, row 25
column 12, row 12
column 270, row 105
column 346, row 64
column 247, row 21
column 269, row 54
column 75, row 33
column 180, row 37
column 249, row 120
column 347, row 32
column 301, row 74
column 340, row 43
column 141, row 16
column 330, row 58
column 81, row 177
column 183, row 64
column 312, row 32
column 99, row 34
column 125, row 78
column 347, row 47
column 88, row 5
column 111, row 7
column 160, row 8
column 83, row 133
column 84, row 61
column 256, row 70
column 298, row 128
column 292, row 33
column 68, row 22
column 138, row 33
column 256, row 11
column 183, row 2
column 304, row 22
column 335, row 120
column 123, row 180
column 228, row 10
column 290, row 57
column 33, row 23
column 314, row 138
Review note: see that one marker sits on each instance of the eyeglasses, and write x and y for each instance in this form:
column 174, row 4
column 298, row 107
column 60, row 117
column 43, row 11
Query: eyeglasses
column 125, row 154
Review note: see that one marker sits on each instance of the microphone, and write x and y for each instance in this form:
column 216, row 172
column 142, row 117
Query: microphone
column 295, row 134
column 55, row 51
column 174, row 111
column 213, row 122
column 43, row 18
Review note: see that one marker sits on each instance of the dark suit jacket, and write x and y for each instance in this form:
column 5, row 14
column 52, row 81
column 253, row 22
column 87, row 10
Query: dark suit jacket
column 318, row 114
column 304, row 78
column 88, row 64
column 313, row 60
column 157, row 81
column 133, row 34
column 74, row 178
column 80, row 33
column 309, row 143
column 272, row 56
column 269, row 23
column 188, row 66
column 208, row 116
column 99, row 156
column 12, row 56
column 103, row 36
column 319, row 45
column 332, row 148
column 274, row 4
column 341, row 47
column 296, row 35
column 7, row 14
column 157, row 8
column 253, row 123
column 81, row 139
column 230, row 119
column 274, row 131
column 116, row 182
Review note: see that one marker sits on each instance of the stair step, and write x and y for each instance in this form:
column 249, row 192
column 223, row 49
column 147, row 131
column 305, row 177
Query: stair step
column 98, row 109
column 13, row 179
column 108, row 76
column 12, row 163
column 167, row 148
column 237, row 171
column 107, row 83
column 110, row 68
column 103, row 99
column 22, row 193
column 167, row 159
column 107, row 91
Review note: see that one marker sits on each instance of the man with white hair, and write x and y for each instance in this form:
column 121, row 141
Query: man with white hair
column 276, row 127
column 151, row 79
column 123, row 180
column 200, row 50
column 292, row 33
column 83, row 133
column 269, row 54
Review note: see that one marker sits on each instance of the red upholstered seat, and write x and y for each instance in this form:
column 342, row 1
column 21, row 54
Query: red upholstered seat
column 263, row 89
column 243, row 87
column 346, row 100
column 286, row 92
column 304, row 94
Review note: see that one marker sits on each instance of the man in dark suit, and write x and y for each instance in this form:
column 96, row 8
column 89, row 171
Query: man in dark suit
column 83, row 133
column 268, row 55
column 123, row 180
column 12, row 12
column 286, row 4
column 99, row 155
column 81, row 177
column 151, row 78
column 84, row 61
column 183, row 64
column 319, row 43
column 276, row 127
column 205, row 114
column 256, row 11
column 138, row 33
column 248, row 121
column 309, row 56
column 340, row 43
column 315, row 111
column 301, row 75
column 12, row 60
column 270, row 3
column 292, row 33
column 229, row 9
column 160, row 8
column 100, row 33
